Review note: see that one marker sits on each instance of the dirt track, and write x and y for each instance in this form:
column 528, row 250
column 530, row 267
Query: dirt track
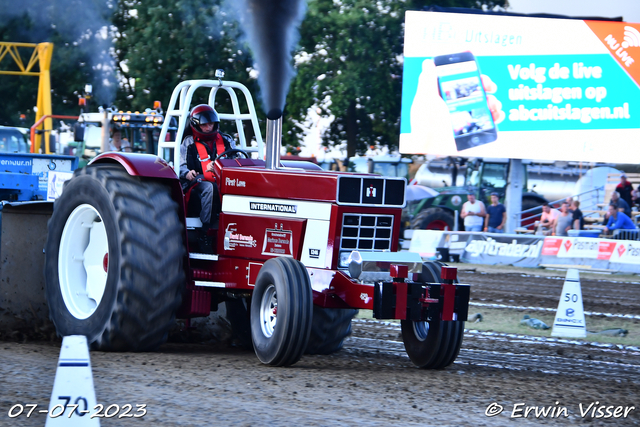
column 370, row 382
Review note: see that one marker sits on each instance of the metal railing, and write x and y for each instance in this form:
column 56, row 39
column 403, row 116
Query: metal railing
column 533, row 217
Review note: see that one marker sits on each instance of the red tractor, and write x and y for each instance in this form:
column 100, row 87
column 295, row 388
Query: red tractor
column 298, row 250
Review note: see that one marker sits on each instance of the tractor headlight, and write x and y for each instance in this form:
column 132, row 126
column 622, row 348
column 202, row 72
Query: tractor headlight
column 343, row 261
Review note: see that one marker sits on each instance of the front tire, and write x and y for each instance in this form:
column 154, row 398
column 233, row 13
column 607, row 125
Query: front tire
column 434, row 344
column 281, row 311
column 113, row 263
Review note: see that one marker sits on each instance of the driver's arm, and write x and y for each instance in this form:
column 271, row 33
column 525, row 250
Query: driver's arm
column 184, row 169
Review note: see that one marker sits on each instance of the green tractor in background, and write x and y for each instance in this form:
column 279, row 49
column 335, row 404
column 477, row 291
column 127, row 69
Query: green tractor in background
column 94, row 133
column 482, row 177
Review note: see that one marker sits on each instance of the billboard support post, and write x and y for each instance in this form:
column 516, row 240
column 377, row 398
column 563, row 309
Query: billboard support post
column 513, row 199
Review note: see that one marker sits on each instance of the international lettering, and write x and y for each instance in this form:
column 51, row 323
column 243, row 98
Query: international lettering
column 273, row 207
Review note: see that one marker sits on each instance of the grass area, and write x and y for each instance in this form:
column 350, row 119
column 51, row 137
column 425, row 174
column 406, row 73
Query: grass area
column 508, row 321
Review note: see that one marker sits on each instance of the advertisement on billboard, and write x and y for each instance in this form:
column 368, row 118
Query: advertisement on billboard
column 520, row 87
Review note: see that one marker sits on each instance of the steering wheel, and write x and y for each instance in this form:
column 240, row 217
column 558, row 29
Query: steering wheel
column 232, row 151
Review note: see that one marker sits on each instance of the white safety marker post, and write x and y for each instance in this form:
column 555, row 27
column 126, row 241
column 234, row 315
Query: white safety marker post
column 569, row 321
column 73, row 399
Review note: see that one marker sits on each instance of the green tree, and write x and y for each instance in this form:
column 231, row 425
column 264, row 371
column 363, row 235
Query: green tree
column 18, row 93
column 79, row 31
column 160, row 45
column 349, row 63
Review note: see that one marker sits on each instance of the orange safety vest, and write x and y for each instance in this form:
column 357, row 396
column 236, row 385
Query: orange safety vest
column 205, row 159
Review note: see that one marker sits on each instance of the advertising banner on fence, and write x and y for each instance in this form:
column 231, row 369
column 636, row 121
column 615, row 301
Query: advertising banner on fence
column 425, row 242
column 492, row 249
column 456, row 242
column 618, row 255
column 480, row 248
column 519, row 87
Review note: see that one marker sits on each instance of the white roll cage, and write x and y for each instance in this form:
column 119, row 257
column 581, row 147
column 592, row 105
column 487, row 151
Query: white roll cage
column 180, row 106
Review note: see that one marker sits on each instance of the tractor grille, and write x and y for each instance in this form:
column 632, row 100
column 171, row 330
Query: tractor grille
column 371, row 190
column 366, row 232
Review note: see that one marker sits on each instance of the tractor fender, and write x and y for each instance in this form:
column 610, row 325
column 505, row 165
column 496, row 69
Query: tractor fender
column 136, row 164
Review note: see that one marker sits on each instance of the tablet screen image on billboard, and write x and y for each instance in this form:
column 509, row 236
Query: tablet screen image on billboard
column 460, row 85
column 518, row 87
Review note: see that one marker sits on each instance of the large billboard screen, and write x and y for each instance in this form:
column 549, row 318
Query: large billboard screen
column 522, row 88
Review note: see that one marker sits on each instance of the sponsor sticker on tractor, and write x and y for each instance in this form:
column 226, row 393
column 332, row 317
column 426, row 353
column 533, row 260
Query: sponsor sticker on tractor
column 233, row 239
column 277, row 242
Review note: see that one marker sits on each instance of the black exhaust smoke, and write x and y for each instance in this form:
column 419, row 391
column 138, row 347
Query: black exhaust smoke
column 88, row 25
column 272, row 30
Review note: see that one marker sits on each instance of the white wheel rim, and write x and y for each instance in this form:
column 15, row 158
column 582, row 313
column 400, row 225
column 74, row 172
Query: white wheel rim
column 421, row 330
column 269, row 311
column 83, row 261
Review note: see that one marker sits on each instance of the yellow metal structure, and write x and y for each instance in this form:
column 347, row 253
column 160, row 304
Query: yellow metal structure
column 40, row 54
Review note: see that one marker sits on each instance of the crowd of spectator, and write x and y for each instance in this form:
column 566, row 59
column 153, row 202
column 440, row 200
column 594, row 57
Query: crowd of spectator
column 618, row 217
column 556, row 222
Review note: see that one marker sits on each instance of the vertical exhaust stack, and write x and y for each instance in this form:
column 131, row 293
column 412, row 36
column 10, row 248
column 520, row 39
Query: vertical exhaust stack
column 104, row 145
column 274, row 138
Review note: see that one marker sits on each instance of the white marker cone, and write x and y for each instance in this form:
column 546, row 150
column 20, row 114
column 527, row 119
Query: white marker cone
column 73, row 386
column 569, row 320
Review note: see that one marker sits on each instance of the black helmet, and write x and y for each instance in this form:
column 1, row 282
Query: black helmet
column 202, row 114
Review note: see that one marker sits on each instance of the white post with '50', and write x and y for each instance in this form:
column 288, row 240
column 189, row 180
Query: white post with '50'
column 569, row 321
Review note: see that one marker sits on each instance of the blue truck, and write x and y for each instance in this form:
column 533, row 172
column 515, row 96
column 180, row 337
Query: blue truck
column 28, row 177
column 28, row 185
column 25, row 176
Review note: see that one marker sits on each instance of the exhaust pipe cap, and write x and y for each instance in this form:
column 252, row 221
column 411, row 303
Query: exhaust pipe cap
column 274, row 114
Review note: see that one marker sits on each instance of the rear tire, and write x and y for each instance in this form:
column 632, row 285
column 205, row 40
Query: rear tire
column 432, row 219
column 434, row 344
column 329, row 329
column 113, row 263
column 281, row 311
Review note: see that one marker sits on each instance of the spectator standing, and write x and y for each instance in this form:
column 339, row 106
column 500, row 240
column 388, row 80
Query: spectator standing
column 635, row 196
column 473, row 212
column 578, row 218
column 618, row 221
column 563, row 222
column 570, row 203
column 547, row 220
column 624, row 189
column 496, row 216
column 622, row 204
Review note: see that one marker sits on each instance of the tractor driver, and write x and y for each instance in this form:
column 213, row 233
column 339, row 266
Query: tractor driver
column 197, row 154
